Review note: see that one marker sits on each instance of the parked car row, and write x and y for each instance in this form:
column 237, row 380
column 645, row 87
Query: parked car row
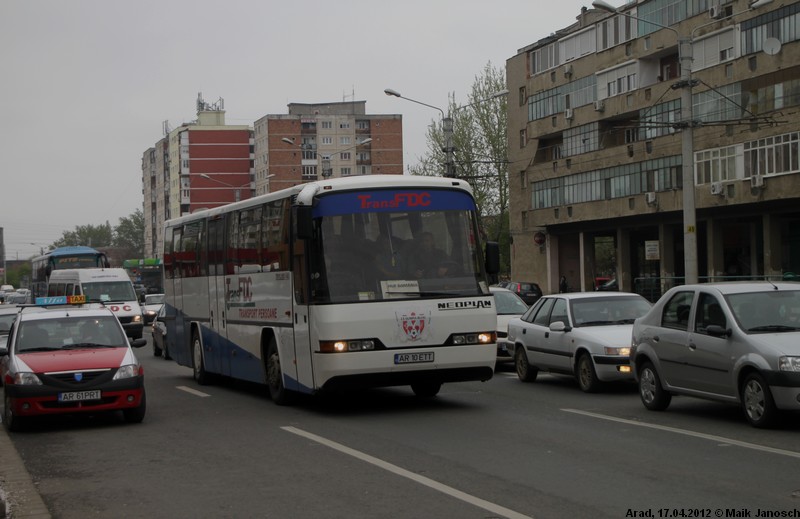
column 734, row 342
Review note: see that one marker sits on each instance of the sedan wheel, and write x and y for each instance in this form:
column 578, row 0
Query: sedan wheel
column 525, row 371
column 757, row 402
column 586, row 374
column 650, row 390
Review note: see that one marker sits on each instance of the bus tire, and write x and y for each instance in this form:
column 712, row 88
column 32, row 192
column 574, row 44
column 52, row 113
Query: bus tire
column 199, row 372
column 277, row 391
column 426, row 389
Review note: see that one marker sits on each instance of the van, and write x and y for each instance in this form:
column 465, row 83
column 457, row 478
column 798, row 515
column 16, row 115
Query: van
column 111, row 286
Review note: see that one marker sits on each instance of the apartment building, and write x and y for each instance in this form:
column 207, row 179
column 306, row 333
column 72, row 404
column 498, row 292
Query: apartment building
column 199, row 165
column 325, row 140
column 597, row 140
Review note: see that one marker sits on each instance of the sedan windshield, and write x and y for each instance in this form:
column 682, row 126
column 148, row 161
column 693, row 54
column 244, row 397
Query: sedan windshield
column 605, row 311
column 767, row 312
column 69, row 333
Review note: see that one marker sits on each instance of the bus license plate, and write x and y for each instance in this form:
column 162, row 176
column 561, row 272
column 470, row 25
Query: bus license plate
column 76, row 396
column 413, row 358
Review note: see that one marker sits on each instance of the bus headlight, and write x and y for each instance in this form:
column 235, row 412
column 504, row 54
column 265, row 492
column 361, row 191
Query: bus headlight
column 460, row 339
column 346, row 345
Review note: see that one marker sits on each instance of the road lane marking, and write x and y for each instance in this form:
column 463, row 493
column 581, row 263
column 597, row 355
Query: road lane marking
column 193, row 391
column 463, row 496
column 722, row 439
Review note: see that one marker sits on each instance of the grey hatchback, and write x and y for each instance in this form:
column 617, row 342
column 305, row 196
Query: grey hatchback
column 735, row 342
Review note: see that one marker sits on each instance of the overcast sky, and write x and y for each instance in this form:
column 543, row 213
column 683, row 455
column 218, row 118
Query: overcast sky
column 87, row 84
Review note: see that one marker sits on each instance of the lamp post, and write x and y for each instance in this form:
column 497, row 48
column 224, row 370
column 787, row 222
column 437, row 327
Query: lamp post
column 325, row 159
column 447, row 126
column 686, row 125
column 238, row 189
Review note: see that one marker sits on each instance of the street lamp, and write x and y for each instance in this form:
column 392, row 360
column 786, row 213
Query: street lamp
column 686, row 125
column 325, row 159
column 238, row 189
column 447, row 126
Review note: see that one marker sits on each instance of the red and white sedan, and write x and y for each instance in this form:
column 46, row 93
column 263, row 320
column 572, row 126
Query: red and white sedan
column 72, row 358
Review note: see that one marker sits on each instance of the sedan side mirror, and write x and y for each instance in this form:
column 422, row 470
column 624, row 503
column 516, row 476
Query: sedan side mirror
column 716, row 330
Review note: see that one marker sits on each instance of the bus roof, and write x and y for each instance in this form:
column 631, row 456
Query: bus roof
column 71, row 251
column 336, row 185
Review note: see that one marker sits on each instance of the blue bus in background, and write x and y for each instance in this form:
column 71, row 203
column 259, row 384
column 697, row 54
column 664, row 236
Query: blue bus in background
column 63, row 258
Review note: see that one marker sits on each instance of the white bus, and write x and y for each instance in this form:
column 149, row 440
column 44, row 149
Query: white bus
column 367, row 281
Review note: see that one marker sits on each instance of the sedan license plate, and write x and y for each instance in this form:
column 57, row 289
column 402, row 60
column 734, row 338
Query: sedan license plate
column 413, row 358
column 76, row 396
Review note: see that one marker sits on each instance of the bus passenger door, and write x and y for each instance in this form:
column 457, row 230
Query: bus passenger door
column 302, row 377
column 217, row 331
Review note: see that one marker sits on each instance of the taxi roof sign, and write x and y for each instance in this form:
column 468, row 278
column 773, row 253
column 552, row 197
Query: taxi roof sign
column 60, row 300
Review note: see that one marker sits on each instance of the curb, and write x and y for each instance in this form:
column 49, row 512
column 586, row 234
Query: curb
column 19, row 497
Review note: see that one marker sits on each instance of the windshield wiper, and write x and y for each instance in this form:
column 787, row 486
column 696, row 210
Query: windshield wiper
column 596, row 323
column 40, row 348
column 773, row 328
column 81, row 345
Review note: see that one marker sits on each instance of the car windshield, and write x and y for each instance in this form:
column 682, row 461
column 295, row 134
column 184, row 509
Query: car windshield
column 766, row 312
column 509, row 303
column 604, row 311
column 109, row 291
column 5, row 322
column 67, row 333
column 154, row 299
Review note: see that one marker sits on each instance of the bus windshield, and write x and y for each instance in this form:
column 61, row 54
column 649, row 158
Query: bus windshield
column 388, row 249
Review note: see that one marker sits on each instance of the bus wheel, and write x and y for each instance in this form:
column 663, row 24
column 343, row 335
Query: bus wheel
column 426, row 389
column 277, row 391
column 199, row 369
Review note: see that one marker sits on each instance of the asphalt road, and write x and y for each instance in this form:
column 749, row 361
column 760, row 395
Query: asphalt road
column 482, row 450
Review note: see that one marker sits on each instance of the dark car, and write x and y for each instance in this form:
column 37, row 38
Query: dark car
column 529, row 292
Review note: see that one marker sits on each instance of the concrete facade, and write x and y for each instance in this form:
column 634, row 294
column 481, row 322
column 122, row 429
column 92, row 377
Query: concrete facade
column 595, row 145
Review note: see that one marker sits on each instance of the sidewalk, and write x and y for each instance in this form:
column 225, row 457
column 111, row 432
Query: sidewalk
column 19, row 497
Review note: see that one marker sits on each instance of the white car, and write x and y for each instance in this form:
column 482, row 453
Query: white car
column 509, row 305
column 152, row 304
column 582, row 334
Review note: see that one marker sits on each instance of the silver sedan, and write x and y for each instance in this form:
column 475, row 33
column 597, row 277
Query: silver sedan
column 731, row 342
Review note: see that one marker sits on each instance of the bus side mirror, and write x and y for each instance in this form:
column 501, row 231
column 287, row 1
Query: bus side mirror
column 304, row 228
column 492, row 257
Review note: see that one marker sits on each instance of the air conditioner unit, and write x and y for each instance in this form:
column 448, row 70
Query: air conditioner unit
column 757, row 181
column 568, row 113
column 568, row 70
column 715, row 11
column 716, row 188
column 600, row 105
column 650, row 197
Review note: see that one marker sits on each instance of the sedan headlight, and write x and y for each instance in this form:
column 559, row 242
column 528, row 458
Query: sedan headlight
column 128, row 371
column 26, row 378
column 787, row 363
column 626, row 351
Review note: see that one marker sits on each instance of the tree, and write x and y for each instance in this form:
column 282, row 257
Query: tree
column 86, row 235
column 129, row 234
column 481, row 150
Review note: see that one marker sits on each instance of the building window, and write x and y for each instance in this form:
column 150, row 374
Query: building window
column 523, row 98
column 345, row 172
column 344, row 125
column 327, row 140
column 344, row 140
column 362, row 125
column 345, row 155
column 327, row 125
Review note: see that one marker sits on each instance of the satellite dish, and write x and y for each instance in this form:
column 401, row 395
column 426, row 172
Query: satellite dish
column 771, row 46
